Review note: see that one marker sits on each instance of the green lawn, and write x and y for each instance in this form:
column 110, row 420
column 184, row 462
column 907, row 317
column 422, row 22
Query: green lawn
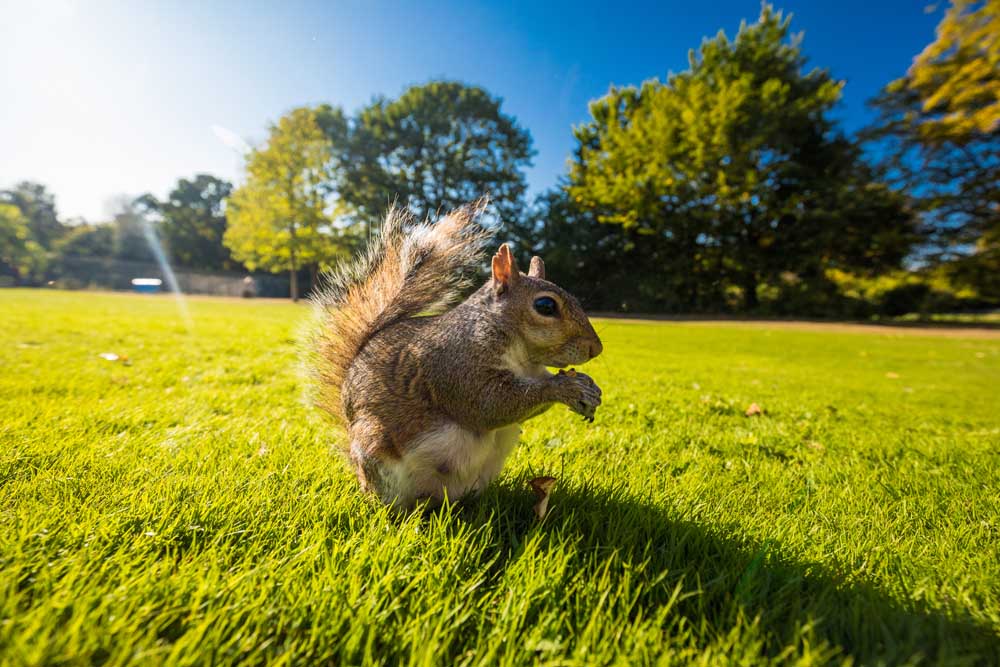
column 188, row 507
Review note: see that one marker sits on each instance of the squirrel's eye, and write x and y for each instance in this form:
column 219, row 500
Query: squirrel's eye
column 546, row 305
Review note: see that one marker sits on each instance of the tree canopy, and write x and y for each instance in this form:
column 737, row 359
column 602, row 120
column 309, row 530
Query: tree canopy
column 438, row 146
column 86, row 240
column 192, row 221
column 21, row 256
column 957, row 77
column 38, row 206
column 730, row 175
column 938, row 138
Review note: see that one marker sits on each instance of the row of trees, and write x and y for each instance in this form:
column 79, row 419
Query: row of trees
column 34, row 243
column 728, row 183
column 315, row 189
column 731, row 175
column 728, row 186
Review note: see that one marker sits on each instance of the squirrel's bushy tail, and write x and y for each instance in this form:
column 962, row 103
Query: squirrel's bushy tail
column 409, row 269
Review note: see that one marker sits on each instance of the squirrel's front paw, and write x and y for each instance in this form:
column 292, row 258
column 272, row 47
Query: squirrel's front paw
column 582, row 393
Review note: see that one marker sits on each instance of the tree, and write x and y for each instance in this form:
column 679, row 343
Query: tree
column 38, row 206
column 133, row 231
column 85, row 240
column 20, row 255
column 192, row 221
column 278, row 220
column 437, row 147
column 602, row 263
column 938, row 136
column 732, row 176
column 957, row 77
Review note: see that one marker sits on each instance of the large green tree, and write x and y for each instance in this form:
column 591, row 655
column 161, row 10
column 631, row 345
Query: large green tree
column 192, row 222
column 280, row 218
column 38, row 206
column 938, row 134
column 438, row 146
column 732, row 176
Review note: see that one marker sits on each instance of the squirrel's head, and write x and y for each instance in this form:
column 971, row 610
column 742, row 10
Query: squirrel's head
column 549, row 320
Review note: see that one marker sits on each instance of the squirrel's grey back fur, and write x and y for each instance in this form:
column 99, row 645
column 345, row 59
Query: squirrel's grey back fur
column 409, row 269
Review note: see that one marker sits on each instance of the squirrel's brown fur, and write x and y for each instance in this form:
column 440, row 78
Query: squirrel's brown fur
column 432, row 396
column 408, row 269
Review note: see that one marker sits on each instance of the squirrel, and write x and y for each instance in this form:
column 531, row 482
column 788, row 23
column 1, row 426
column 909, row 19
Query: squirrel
column 433, row 394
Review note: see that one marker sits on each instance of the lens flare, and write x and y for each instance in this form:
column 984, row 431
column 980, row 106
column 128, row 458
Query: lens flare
column 168, row 273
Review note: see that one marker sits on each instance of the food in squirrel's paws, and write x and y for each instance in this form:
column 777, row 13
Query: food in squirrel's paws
column 571, row 372
column 542, row 486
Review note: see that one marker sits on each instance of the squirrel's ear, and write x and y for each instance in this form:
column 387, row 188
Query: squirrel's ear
column 537, row 268
column 504, row 269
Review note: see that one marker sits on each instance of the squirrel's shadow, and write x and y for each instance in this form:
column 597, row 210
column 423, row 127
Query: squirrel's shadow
column 730, row 575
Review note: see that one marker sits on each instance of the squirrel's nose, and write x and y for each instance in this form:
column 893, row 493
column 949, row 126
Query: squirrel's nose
column 596, row 348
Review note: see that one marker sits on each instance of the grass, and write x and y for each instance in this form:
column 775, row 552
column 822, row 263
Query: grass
column 188, row 507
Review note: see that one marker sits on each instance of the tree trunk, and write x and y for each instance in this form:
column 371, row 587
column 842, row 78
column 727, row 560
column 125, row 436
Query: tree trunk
column 294, row 274
column 313, row 272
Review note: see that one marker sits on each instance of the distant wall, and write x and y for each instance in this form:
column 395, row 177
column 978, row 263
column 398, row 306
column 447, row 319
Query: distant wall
column 75, row 272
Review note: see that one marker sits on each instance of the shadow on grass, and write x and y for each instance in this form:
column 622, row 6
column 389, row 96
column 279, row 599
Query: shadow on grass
column 731, row 577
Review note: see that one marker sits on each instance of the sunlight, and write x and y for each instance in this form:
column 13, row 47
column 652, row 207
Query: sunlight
column 168, row 273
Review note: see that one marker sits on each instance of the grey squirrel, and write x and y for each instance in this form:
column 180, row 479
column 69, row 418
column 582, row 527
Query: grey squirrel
column 433, row 394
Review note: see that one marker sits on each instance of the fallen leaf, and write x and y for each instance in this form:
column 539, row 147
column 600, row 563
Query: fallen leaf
column 816, row 445
column 108, row 356
column 542, row 486
column 754, row 410
column 892, row 376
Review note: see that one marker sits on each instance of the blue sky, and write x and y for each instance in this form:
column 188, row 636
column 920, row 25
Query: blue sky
column 99, row 99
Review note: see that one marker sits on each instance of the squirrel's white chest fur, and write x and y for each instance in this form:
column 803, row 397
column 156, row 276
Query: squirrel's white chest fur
column 450, row 460
column 454, row 461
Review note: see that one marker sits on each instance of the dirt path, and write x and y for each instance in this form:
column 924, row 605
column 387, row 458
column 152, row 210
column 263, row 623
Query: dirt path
column 901, row 329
